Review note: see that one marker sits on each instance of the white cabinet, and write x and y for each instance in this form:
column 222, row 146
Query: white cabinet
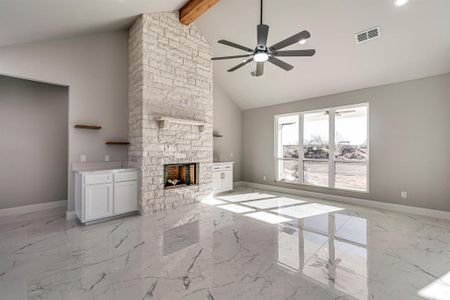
column 99, row 201
column 125, row 197
column 222, row 177
column 102, row 194
column 217, row 181
column 227, row 180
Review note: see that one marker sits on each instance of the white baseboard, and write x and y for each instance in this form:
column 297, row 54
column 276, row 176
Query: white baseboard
column 71, row 215
column 356, row 201
column 31, row 208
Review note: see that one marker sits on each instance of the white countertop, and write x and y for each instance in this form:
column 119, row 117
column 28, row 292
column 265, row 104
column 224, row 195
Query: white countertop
column 89, row 167
column 105, row 170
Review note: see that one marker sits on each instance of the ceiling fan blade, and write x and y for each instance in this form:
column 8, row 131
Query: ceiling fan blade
column 290, row 40
column 241, row 65
column 234, row 45
column 259, row 69
column 230, row 57
column 263, row 32
column 306, row 52
column 280, row 63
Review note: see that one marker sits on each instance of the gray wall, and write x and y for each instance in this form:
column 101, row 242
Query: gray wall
column 33, row 135
column 228, row 122
column 95, row 68
column 409, row 131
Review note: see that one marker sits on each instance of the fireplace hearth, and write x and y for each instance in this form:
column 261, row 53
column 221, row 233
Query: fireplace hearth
column 180, row 175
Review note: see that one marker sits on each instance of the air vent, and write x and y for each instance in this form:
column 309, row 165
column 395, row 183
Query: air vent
column 367, row 35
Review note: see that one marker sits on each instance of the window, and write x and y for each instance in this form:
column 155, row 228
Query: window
column 316, row 150
column 351, row 152
column 287, row 162
column 333, row 148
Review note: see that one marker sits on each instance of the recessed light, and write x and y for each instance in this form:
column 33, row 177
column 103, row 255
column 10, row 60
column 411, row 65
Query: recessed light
column 302, row 41
column 400, row 2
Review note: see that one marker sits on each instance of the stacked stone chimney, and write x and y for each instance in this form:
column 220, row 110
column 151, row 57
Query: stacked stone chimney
column 170, row 74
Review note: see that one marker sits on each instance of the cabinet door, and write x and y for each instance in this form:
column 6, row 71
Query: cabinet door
column 125, row 197
column 98, row 201
column 227, row 180
column 217, row 181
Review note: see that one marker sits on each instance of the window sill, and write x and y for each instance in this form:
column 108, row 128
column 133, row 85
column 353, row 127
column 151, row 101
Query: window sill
column 322, row 187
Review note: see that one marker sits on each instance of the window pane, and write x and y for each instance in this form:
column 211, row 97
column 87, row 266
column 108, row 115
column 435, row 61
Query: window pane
column 288, row 170
column 288, row 136
column 315, row 173
column 315, row 135
column 351, row 176
column 351, row 134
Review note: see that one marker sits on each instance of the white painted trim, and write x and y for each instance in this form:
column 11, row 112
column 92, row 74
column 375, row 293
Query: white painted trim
column 71, row 215
column 32, row 208
column 355, row 201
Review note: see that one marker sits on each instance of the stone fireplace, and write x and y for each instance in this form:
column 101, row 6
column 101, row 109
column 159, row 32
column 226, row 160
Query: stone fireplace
column 170, row 111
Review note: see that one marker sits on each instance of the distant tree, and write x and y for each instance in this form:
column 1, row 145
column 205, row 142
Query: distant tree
column 339, row 138
column 316, row 140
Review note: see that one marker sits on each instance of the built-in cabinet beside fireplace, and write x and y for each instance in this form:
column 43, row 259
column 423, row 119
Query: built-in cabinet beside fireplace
column 222, row 177
column 105, row 193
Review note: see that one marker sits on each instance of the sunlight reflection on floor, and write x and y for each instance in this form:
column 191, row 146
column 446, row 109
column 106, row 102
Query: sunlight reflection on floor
column 438, row 289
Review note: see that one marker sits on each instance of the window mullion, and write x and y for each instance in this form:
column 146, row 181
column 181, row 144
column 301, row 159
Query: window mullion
column 300, row 148
column 332, row 147
column 277, row 148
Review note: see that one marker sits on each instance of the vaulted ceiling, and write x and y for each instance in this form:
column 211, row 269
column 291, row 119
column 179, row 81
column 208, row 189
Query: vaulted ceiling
column 414, row 42
column 23, row 21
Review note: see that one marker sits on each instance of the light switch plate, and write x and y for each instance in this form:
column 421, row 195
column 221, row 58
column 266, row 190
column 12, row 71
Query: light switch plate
column 107, row 157
column 83, row 158
column 404, row 195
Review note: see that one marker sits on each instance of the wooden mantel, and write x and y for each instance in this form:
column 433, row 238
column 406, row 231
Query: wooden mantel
column 194, row 9
column 164, row 121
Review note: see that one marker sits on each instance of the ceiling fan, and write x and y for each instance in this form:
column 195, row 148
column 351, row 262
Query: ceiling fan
column 262, row 53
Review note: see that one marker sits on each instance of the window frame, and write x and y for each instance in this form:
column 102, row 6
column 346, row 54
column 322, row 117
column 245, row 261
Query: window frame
column 331, row 144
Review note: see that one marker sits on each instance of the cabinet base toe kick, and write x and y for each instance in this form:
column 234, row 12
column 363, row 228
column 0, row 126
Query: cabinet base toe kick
column 133, row 213
column 101, row 195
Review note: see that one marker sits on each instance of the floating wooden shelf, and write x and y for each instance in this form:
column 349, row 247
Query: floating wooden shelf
column 164, row 121
column 217, row 135
column 81, row 126
column 116, row 143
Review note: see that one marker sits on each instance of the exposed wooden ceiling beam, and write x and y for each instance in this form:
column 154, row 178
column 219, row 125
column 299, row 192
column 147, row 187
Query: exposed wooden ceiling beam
column 194, row 9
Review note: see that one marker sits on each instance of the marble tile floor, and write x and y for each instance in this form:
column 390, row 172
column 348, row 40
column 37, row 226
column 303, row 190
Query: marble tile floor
column 247, row 245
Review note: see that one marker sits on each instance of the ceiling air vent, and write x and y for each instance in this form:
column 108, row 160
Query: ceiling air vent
column 367, row 35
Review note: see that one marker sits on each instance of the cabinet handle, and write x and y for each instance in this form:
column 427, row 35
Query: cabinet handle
column 223, row 175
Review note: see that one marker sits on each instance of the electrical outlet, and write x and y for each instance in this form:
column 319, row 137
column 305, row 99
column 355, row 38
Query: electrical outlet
column 404, row 195
column 107, row 157
column 231, row 154
column 264, row 178
column 83, row 158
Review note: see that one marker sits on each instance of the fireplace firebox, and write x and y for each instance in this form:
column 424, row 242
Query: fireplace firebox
column 179, row 175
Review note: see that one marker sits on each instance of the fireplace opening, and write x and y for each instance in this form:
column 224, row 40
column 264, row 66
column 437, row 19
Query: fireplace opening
column 179, row 175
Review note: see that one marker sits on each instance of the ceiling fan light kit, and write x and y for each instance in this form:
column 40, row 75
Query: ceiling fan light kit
column 260, row 57
column 262, row 53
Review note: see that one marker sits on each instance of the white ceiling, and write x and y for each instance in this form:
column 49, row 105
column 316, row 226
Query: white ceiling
column 33, row 20
column 414, row 43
